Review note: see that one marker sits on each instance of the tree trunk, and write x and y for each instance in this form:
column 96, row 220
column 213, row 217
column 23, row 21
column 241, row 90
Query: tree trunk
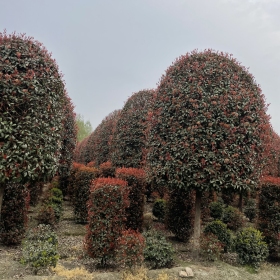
column 197, row 219
column 2, row 188
column 240, row 202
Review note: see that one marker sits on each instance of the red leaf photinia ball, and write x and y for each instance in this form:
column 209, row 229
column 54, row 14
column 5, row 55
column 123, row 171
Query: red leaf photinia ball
column 207, row 108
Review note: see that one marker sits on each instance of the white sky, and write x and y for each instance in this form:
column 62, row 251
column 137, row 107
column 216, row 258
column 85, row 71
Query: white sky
column 108, row 49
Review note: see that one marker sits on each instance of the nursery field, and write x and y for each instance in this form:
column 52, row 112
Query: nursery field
column 74, row 264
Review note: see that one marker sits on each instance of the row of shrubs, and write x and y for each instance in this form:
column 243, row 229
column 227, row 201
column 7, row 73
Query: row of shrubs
column 259, row 242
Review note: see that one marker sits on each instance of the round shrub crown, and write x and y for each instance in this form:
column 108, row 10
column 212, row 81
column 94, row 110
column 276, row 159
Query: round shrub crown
column 99, row 145
column 208, row 124
column 250, row 247
column 219, row 229
column 31, row 110
column 129, row 140
column 158, row 252
column 216, row 210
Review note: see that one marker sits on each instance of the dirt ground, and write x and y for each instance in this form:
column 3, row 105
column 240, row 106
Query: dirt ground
column 74, row 264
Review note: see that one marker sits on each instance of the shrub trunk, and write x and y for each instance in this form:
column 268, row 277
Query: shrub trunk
column 197, row 215
column 2, row 188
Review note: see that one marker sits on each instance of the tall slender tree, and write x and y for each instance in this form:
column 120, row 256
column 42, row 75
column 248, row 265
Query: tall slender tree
column 208, row 126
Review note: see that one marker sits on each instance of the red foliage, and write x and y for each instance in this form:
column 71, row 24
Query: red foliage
column 130, row 249
column 91, row 164
column 101, row 182
column 269, row 180
column 106, row 169
column 106, row 216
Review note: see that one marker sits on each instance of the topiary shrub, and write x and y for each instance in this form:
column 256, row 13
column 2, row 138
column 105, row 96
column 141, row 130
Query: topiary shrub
column 211, row 248
column 72, row 179
column 159, row 209
column 99, row 145
column 129, row 139
column 80, row 153
column 271, row 167
column 39, row 248
column 47, row 215
column 219, row 229
column 251, row 247
column 250, row 209
column 31, row 112
column 216, row 210
column 106, row 217
column 81, row 191
column 14, row 214
column 106, row 170
column 136, row 183
column 51, row 210
column 269, row 214
column 207, row 126
column 130, row 249
column 180, row 213
column 233, row 218
column 69, row 141
column 158, row 252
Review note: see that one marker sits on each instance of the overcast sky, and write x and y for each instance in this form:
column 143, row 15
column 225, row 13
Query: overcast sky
column 109, row 49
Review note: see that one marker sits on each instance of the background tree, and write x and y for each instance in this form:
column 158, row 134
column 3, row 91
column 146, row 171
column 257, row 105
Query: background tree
column 129, row 137
column 98, row 147
column 208, row 127
column 31, row 111
column 69, row 141
column 84, row 127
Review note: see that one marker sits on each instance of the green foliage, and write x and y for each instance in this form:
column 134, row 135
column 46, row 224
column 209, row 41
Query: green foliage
column 216, row 210
column 250, row 209
column 106, row 217
column 135, row 178
column 269, row 214
column 130, row 249
column 14, row 214
column 211, row 247
column 219, row 229
column 31, row 110
column 129, row 138
column 84, row 127
column 251, row 247
column 207, row 125
column 233, row 218
column 159, row 209
column 39, row 248
column 158, row 252
column 180, row 213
